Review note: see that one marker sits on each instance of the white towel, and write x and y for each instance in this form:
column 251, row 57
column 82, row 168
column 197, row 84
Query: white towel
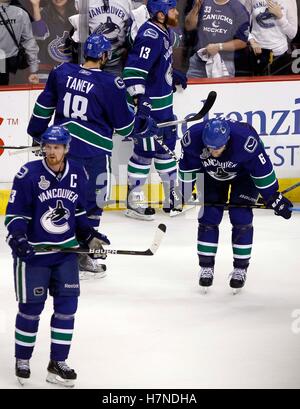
column 139, row 17
column 215, row 66
column 74, row 20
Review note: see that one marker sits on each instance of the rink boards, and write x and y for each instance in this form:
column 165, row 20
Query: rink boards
column 272, row 106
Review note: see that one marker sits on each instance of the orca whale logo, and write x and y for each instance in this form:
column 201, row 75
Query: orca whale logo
column 110, row 30
column 265, row 19
column 55, row 220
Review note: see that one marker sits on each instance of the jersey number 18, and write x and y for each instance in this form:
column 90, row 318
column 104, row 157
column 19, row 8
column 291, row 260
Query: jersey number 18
column 75, row 106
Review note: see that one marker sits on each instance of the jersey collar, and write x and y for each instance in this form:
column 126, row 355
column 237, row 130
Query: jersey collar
column 66, row 171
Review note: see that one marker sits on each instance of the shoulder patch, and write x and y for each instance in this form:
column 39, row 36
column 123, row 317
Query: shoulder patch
column 186, row 139
column 119, row 83
column 150, row 32
column 22, row 172
column 251, row 144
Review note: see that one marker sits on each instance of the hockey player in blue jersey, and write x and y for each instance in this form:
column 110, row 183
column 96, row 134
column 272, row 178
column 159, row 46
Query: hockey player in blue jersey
column 47, row 209
column 233, row 159
column 91, row 104
column 148, row 75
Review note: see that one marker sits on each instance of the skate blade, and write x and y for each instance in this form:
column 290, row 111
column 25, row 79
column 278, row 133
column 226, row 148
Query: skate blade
column 22, row 381
column 236, row 291
column 134, row 215
column 88, row 275
column 204, row 290
column 57, row 380
column 174, row 213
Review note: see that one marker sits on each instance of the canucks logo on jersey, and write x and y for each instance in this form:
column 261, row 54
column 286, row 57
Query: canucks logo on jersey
column 55, row 220
column 221, row 174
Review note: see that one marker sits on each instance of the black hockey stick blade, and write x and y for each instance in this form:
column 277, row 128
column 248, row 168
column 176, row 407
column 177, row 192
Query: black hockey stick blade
column 16, row 147
column 161, row 230
column 289, row 189
column 210, row 100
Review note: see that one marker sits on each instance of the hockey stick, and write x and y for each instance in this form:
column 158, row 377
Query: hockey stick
column 23, row 149
column 227, row 206
column 210, row 100
column 288, row 189
column 160, row 231
column 16, row 147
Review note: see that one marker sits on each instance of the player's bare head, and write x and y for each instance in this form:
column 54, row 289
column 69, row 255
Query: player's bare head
column 216, row 134
column 163, row 11
column 97, row 49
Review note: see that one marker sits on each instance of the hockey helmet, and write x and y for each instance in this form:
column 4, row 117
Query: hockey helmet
column 57, row 135
column 216, row 133
column 155, row 6
column 96, row 45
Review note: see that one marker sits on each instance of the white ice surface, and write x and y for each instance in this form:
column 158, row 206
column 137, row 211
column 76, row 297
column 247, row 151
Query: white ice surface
column 148, row 325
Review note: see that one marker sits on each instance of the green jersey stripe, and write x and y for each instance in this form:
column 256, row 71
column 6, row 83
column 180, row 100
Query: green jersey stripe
column 242, row 252
column 207, row 249
column 162, row 166
column 129, row 73
column 43, row 112
column 131, row 169
column 264, row 182
column 162, row 102
column 89, row 136
column 60, row 336
column 24, row 338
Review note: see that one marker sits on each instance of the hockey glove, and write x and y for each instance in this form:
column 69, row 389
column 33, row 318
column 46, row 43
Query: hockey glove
column 144, row 127
column 20, row 247
column 39, row 152
column 143, row 104
column 179, row 78
column 95, row 241
column 281, row 205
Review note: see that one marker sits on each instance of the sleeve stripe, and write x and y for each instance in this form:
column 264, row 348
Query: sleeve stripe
column 80, row 214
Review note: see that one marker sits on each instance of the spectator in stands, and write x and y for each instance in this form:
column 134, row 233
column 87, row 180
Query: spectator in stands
column 15, row 33
column 138, row 3
column 246, row 4
column 274, row 22
column 222, row 28
column 52, row 27
column 112, row 19
column 296, row 40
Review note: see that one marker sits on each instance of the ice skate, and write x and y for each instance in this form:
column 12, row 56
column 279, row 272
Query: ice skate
column 61, row 374
column 137, row 208
column 238, row 278
column 189, row 206
column 206, row 278
column 22, row 371
column 90, row 268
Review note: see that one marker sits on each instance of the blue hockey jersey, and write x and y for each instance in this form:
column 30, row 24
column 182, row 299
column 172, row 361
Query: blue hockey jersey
column 149, row 67
column 91, row 103
column 244, row 153
column 49, row 209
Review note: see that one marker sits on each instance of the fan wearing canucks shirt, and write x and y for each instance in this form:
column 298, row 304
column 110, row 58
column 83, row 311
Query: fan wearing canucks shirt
column 91, row 104
column 233, row 159
column 148, row 75
column 47, row 209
